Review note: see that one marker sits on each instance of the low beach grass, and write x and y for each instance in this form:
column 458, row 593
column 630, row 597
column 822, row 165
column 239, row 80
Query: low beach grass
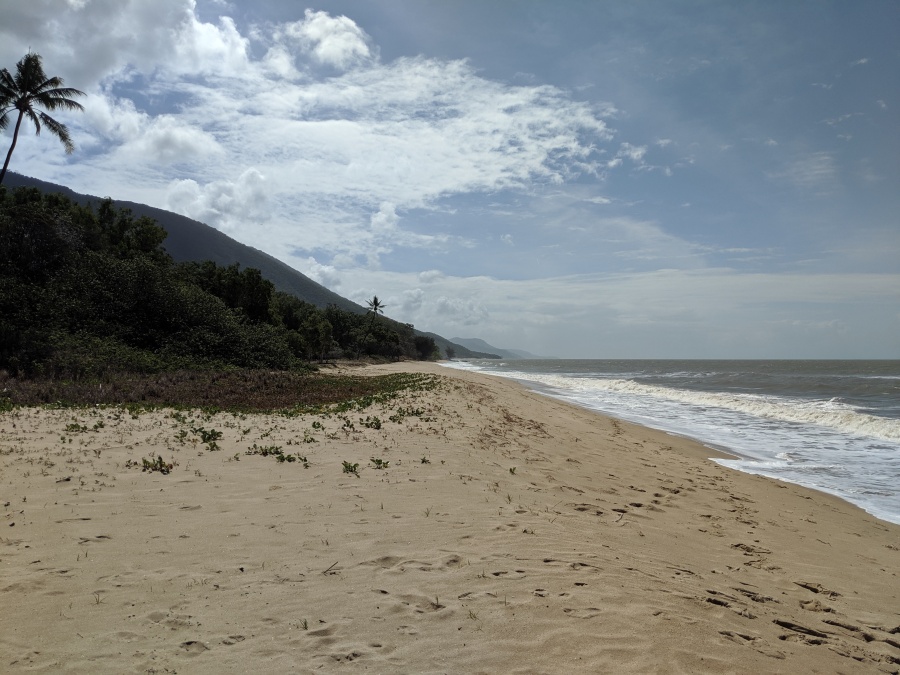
column 238, row 391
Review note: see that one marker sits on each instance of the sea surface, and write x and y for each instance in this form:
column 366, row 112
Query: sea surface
column 829, row 425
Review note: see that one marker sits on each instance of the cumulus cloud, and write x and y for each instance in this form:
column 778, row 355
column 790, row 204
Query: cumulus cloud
column 221, row 204
column 326, row 275
column 87, row 42
column 331, row 40
column 167, row 140
column 114, row 119
column 412, row 301
column 384, row 221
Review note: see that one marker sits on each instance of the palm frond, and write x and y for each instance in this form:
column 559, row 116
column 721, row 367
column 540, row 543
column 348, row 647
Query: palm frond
column 35, row 119
column 59, row 130
column 59, row 99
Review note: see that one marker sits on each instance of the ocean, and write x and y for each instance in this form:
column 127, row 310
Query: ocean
column 832, row 426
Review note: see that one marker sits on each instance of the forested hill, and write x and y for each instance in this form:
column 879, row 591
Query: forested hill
column 190, row 240
column 126, row 242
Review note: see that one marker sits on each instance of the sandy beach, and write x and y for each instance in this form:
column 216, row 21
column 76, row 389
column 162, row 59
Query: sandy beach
column 507, row 533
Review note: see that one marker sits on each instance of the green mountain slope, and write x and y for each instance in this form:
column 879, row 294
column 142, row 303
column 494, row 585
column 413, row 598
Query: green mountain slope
column 191, row 240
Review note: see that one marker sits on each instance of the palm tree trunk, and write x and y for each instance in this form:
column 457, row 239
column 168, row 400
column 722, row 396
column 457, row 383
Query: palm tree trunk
column 12, row 147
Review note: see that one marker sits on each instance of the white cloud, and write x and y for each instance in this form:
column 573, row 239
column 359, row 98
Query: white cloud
column 167, row 140
column 344, row 156
column 507, row 239
column 88, row 41
column 335, row 41
column 413, row 299
column 430, row 276
column 114, row 119
column 222, row 204
column 633, row 152
column 326, row 275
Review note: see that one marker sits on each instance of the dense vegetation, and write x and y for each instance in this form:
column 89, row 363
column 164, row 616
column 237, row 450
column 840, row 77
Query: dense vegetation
column 86, row 291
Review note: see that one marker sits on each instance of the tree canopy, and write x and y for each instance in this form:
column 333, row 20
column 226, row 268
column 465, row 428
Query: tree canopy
column 89, row 289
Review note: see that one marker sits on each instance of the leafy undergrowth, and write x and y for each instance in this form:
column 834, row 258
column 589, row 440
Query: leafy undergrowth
column 246, row 391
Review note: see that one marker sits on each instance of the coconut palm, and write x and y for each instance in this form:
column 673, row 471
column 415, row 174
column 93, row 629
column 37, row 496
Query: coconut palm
column 28, row 90
column 375, row 306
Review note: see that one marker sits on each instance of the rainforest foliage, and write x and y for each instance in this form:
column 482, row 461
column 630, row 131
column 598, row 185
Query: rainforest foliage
column 89, row 290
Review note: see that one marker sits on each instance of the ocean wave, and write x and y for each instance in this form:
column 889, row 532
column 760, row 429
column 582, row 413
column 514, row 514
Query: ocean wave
column 825, row 413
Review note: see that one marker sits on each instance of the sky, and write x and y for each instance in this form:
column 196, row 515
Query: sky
column 577, row 178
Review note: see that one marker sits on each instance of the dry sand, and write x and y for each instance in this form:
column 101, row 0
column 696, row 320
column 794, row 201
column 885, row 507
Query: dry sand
column 538, row 538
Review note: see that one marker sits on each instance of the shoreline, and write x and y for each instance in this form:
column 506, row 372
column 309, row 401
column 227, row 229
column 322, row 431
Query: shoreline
column 537, row 536
column 717, row 451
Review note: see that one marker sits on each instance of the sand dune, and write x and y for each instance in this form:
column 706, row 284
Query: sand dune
column 509, row 533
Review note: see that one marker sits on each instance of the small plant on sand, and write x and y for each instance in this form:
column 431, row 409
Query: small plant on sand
column 208, row 436
column 425, row 460
column 351, row 468
column 370, row 422
column 308, row 437
column 512, row 470
column 265, row 450
column 379, row 463
column 156, row 464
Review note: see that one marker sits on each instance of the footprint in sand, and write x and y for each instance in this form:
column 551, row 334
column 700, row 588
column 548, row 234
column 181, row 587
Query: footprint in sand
column 193, row 647
column 586, row 613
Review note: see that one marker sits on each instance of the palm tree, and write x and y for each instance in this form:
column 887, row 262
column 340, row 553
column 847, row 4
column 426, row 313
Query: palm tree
column 375, row 306
column 29, row 89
